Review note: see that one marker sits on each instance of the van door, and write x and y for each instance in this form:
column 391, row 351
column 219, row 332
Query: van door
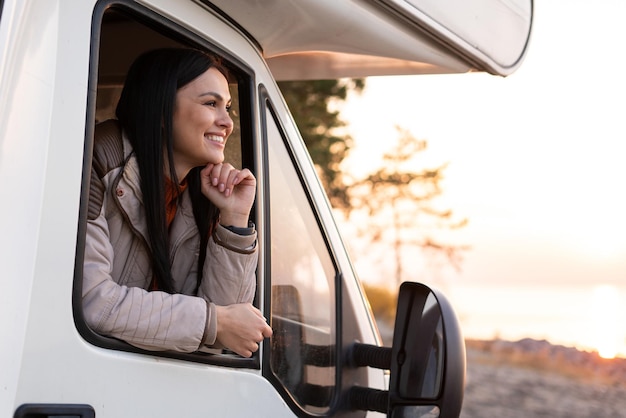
column 305, row 285
column 66, row 367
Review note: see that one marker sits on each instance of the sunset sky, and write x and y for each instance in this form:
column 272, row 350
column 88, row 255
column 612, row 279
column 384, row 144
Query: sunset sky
column 537, row 164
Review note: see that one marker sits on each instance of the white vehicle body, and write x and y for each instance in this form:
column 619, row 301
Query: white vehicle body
column 59, row 58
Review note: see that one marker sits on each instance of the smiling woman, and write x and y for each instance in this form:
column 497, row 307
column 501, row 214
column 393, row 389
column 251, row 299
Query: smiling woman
column 170, row 254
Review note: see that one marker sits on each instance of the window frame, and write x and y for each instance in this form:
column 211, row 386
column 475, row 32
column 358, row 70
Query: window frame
column 245, row 77
column 266, row 106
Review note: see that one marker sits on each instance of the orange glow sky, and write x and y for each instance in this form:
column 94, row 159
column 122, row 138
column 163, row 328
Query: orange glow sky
column 537, row 163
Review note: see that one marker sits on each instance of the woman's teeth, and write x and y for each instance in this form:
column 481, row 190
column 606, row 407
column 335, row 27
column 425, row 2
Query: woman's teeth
column 215, row 138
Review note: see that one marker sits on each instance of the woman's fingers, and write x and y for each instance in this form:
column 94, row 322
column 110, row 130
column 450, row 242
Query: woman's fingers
column 241, row 328
column 231, row 182
column 225, row 177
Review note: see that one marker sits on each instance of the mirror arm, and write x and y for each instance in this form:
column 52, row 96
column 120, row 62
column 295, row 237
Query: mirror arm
column 367, row 355
column 367, row 399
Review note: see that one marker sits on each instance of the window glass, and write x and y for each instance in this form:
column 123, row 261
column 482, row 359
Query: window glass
column 303, row 286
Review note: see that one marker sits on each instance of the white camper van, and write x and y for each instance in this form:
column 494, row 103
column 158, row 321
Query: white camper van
column 62, row 66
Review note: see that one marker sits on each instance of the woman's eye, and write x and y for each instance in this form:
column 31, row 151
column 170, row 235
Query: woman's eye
column 228, row 108
column 211, row 103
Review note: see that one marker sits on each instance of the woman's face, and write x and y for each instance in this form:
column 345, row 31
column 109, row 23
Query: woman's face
column 201, row 123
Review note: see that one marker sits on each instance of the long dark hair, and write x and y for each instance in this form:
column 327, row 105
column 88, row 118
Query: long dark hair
column 145, row 112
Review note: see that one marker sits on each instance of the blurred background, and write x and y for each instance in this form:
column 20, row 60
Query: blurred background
column 505, row 193
column 535, row 163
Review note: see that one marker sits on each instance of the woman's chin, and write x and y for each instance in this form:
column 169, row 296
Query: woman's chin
column 214, row 160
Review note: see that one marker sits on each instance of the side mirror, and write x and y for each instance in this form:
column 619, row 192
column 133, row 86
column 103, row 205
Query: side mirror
column 426, row 360
column 427, row 356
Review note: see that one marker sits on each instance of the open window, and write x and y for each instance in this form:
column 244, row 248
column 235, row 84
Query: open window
column 120, row 32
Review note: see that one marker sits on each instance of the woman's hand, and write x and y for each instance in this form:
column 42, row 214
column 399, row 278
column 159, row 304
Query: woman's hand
column 241, row 327
column 231, row 190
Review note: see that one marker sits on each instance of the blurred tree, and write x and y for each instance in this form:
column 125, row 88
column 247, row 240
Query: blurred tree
column 309, row 104
column 382, row 301
column 398, row 200
column 399, row 205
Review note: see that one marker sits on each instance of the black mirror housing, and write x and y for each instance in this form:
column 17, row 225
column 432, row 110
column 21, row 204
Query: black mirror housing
column 428, row 356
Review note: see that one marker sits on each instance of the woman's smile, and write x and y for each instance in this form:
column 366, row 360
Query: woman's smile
column 216, row 138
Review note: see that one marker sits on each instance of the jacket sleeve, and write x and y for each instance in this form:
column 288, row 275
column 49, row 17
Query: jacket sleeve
column 149, row 320
column 229, row 273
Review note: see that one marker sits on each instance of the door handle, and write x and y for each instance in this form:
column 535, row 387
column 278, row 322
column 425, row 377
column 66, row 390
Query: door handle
column 48, row 410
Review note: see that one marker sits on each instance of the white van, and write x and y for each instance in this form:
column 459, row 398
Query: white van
column 62, row 65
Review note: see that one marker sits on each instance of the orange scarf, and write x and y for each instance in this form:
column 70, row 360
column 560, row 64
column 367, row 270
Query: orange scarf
column 172, row 192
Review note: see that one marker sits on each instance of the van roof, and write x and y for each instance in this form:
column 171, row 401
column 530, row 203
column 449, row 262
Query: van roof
column 308, row 39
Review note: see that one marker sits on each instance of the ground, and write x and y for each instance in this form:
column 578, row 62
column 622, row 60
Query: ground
column 503, row 383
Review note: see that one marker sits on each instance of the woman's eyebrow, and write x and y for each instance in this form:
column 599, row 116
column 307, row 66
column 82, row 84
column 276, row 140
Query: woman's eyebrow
column 216, row 95
column 212, row 93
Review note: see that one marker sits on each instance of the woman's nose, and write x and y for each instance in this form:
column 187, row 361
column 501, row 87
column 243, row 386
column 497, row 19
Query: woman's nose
column 225, row 120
